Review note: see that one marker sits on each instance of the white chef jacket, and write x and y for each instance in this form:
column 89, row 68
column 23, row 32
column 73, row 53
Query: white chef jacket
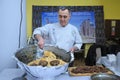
column 62, row 37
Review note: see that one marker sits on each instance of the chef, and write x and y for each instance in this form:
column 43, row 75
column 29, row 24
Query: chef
column 61, row 34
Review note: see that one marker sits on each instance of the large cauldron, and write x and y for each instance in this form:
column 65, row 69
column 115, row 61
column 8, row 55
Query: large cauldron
column 27, row 54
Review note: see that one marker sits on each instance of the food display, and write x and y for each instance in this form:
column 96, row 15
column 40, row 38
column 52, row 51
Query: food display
column 48, row 59
column 88, row 70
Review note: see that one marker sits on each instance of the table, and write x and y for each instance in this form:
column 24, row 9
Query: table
column 9, row 74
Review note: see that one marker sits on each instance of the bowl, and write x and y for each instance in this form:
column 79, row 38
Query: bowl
column 104, row 76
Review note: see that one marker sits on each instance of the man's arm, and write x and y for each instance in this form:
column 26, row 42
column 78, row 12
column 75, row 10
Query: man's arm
column 38, row 35
column 78, row 41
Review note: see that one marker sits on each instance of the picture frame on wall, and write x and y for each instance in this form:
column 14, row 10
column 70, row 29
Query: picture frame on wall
column 88, row 19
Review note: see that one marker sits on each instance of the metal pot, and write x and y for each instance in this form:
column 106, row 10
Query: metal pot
column 104, row 76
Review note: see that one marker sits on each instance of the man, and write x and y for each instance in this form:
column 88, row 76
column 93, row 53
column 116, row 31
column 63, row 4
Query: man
column 61, row 34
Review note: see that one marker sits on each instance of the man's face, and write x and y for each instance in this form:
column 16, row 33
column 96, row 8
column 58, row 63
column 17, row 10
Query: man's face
column 64, row 17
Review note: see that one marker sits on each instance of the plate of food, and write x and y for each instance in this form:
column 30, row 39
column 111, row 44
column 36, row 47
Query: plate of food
column 88, row 70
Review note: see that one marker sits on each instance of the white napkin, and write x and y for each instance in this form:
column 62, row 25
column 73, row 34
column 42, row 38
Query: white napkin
column 111, row 57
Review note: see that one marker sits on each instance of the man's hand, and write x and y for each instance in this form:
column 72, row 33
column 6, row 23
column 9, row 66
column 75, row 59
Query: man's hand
column 73, row 49
column 40, row 41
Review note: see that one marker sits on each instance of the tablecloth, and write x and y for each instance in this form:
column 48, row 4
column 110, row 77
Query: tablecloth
column 10, row 74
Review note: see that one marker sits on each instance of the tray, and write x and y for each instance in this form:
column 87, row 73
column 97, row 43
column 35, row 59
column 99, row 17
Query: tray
column 88, row 73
